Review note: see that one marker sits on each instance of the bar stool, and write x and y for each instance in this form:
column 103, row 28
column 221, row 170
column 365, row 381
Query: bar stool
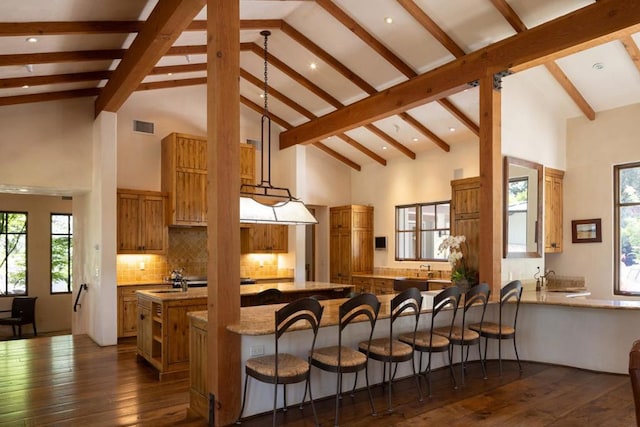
column 390, row 350
column 341, row 359
column 428, row 341
column 502, row 330
column 285, row 368
column 463, row 336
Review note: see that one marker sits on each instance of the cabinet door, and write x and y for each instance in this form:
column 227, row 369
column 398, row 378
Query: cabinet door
column 278, row 234
column 145, row 337
column 153, row 224
column 553, row 232
column 382, row 286
column 129, row 317
column 191, row 198
column 362, row 284
column 247, row 164
column 128, row 223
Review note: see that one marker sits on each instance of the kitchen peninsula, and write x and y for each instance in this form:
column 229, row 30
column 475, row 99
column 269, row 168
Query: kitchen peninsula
column 553, row 327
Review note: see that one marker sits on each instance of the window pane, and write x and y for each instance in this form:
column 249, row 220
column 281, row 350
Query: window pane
column 16, row 222
column 406, row 245
column 406, row 218
column 17, row 264
column 630, row 185
column 429, row 242
column 443, row 215
column 630, row 248
column 60, row 224
column 428, row 217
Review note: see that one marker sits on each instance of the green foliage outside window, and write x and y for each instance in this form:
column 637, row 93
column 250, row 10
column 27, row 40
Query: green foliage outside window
column 13, row 253
column 61, row 253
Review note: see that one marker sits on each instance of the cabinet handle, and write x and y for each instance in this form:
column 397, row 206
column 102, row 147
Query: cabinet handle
column 141, row 316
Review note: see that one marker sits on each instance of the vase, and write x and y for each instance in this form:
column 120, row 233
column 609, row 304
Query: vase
column 463, row 285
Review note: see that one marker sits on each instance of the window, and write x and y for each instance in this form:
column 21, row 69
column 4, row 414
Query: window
column 419, row 230
column 61, row 253
column 518, row 208
column 627, row 229
column 13, row 253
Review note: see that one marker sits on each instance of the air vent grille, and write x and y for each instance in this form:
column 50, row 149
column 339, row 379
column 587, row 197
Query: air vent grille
column 143, row 127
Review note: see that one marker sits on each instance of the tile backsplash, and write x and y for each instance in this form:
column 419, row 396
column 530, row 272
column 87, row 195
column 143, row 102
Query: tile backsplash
column 188, row 250
column 262, row 265
column 140, row 268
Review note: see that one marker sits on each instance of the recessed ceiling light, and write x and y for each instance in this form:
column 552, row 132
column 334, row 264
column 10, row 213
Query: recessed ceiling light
column 452, row 129
column 262, row 95
column 415, row 139
column 25, row 87
column 313, row 65
column 23, row 190
column 598, row 66
column 169, row 74
column 29, row 68
column 388, row 20
column 32, row 40
column 384, row 147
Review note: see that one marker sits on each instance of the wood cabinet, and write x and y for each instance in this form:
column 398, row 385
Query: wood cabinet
column 553, row 198
column 128, row 307
column 382, row 286
column 465, row 216
column 350, row 242
column 141, row 222
column 264, row 238
column 163, row 331
column 184, row 178
column 362, row 284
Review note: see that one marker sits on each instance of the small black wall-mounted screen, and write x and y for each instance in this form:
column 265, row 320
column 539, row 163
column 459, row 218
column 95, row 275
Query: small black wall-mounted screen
column 381, row 242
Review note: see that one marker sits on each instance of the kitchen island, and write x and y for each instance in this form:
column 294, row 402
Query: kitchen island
column 163, row 326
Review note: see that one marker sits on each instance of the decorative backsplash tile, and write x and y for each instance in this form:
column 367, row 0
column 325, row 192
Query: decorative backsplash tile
column 412, row 272
column 140, row 268
column 262, row 265
column 188, row 250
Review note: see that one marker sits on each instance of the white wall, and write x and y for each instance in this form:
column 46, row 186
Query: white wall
column 593, row 147
column 46, row 146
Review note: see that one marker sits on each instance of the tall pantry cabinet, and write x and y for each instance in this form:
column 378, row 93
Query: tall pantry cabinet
column 465, row 216
column 351, row 242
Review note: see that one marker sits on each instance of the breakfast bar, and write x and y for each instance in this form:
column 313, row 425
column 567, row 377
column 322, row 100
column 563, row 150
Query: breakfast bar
column 553, row 327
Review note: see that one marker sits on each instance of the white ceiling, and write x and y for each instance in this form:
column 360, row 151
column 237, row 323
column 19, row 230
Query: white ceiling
column 472, row 24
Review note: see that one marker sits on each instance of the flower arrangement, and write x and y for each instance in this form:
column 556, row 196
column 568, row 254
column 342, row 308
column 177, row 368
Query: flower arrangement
column 460, row 270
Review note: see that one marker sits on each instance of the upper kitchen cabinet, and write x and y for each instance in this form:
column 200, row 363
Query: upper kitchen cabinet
column 141, row 222
column 264, row 238
column 465, row 215
column 350, row 242
column 184, row 176
column 553, row 184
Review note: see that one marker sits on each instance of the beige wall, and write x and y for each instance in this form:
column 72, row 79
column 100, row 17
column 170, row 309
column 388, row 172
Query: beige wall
column 593, row 147
column 53, row 312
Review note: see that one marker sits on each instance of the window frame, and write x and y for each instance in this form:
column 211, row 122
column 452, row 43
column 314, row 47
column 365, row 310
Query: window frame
column 69, row 253
column 418, row 231
column 4, row 289
column 617, row 246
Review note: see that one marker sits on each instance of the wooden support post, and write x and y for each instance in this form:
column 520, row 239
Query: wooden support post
column 223, row 187
column 490, row 256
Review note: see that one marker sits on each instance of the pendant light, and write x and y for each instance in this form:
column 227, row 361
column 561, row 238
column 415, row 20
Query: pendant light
column 264, row 203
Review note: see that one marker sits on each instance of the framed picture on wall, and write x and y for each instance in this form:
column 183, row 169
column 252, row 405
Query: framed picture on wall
column 586, row 230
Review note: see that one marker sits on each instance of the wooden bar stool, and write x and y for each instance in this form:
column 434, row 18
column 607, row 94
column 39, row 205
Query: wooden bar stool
column 285, row 368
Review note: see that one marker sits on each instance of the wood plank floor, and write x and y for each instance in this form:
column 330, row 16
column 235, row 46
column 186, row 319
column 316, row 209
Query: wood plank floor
column 70, row 381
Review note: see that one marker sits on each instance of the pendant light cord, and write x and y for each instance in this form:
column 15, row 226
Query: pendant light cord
column 265, row 118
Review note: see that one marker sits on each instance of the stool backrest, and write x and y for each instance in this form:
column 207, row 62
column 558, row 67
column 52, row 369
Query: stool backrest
column 361, row 305
column 510, row 291
column 24, row 308
column 447, row 297
column 409, row 299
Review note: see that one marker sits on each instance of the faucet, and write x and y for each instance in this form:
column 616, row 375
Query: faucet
column 546, row 276
column 541, row 278
column 184, row 285
column 428, row 267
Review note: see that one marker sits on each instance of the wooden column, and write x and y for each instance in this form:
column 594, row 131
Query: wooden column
column 490, row 257
column 223, row 242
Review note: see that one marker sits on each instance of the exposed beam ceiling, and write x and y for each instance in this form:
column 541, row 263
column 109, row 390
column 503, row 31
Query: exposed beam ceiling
column 603, row 21
column 165, row 24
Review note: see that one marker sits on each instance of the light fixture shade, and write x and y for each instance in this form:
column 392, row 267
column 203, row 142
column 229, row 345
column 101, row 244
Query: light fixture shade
column 292, row 212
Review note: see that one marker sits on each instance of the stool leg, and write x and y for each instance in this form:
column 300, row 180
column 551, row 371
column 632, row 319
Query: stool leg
column 516, row 350
column 244, row 397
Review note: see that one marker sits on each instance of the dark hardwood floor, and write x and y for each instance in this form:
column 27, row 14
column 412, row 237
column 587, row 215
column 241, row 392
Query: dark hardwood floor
column 70, row 381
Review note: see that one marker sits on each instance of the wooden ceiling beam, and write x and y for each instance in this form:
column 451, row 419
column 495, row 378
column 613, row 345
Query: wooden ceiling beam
column 601, row 21
column 260, row 109
column 166, row 84
column 54, row 79
column 175, row 69
column 55, row 57
column 426, row 132
column 308, row 114
column 162, row 28
column 391, row 141
column 431, row 27
column 512, row 17
column 371, row 41
column 49, row 96
column 336, row 155
column 448, row 105
column 632, row 49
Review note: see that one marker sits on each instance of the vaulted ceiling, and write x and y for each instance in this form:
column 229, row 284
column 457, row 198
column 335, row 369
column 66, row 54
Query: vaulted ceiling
column 325, row 59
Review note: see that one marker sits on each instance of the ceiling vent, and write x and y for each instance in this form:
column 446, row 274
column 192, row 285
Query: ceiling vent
column 143, row 127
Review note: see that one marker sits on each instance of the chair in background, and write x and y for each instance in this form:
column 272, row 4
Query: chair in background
column 269, row 296
column 341, row 359
column 477, row 296
column 390, row 350
column 23, row 312
column 634, row 375
column 503, row 330
column 430, row 342
column 285, row 368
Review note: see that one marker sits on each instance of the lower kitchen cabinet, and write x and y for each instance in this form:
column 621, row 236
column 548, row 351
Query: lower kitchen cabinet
column 128, row 307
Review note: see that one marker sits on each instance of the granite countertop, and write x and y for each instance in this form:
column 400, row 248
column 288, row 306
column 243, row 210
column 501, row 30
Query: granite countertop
column 284, row 278
column 288, row 287
column 144, row 282
column 382, row 276
column 163, row 295
column 576, row 299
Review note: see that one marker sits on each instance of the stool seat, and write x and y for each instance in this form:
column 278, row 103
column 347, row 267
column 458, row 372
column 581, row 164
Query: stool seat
column 290, row 367
column 493, row 330
column 456, row 334
column 425, row 340
column 349, row 358
column 395, row 349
